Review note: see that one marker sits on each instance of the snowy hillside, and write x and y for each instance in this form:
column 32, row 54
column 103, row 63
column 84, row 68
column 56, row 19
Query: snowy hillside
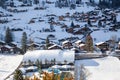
column 107, row 68
column 49, row 20
column 40, row 22
column 21, row 20
column 8, row 64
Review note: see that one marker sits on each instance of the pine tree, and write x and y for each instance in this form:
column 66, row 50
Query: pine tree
column 43, row 3
column 36, row 1
column 51, row 27
column 47, row 43
column 99, row 23
column 11, row 3
column 24, row 42
column 30, row 62
column 114, row 19
column 8, row 36
column 90, row 1
column 54, row 61
column 31, row 47
column 72, row 6
column 89, row 22
column 72, row 24
column 89, row 43
column 100, row 2
column 18, row 75
column 2, row 3
column 38, row 64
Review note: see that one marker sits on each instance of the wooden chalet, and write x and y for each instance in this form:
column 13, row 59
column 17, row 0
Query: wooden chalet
column 67, row 14
column 42, row 46
column 61, row 18
column 51, row 37
column 67, row 44
column 6, row 48
column 13, row 44
column 17, row 49
column 77, row 43
column 103, row 46
column 34, row 46
column 82, row 47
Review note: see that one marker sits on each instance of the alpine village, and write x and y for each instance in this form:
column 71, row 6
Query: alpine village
column 59, row 39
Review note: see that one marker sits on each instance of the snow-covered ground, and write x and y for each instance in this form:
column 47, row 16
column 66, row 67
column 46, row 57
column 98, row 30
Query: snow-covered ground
column 8, row 63
column 107, row 68
column 104, row 35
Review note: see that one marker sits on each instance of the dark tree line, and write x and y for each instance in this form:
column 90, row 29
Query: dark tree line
column 2, row 3
column 9, row 38
column 109, row 3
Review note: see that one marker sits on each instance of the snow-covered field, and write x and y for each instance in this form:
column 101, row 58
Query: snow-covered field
column 8, row 63
column 107, row 68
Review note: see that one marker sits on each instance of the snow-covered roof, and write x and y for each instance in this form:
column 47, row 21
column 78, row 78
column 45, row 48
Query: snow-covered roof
column 66, row 66
column 2, row 41
column 119, row 43
column 54, row 46
column 23, row 70
column 81, row 45
column 14, row 43
column 64, row 42
column 32, row 68
column 79, row 41
column 73, row 49
column 63, row 66
column 99, row 43
column 7, row 46
column 56, row 66
column 58, row 55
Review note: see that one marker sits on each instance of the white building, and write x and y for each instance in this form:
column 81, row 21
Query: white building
column 42, row 55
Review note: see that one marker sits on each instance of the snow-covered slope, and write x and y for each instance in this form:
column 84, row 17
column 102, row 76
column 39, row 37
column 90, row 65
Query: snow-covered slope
column 102, row 36
column 8, row 63
column 107, row 68
column 22, row 19
column 32, row 30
